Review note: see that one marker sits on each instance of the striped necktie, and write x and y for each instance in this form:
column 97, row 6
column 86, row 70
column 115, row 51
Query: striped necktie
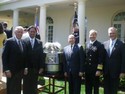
column 20, row 45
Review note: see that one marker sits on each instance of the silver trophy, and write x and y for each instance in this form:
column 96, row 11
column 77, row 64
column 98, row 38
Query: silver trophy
column 52, row 59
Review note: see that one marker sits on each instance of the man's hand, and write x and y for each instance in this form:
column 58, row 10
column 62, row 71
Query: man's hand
column 122, row 75
column 65, row 74
column 81, row 74
column 8, row 74
column 40, row 70
column 25, row 71
column 98, row 73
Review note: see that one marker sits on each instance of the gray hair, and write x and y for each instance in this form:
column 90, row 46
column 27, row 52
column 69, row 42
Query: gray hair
column 112, row 28
column 71, row 35
column 92, row 31
column 18, row 28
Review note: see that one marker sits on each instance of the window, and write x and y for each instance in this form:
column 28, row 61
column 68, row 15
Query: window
column 49, row 29
column 119, row 23
column 120, row 16
column 118, row 26
column 50, row 33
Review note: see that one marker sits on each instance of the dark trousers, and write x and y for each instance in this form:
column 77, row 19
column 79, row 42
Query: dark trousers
column 14, row 83
column 110, row 84
column 30, row 82
column 91, row 82
column 74, row 84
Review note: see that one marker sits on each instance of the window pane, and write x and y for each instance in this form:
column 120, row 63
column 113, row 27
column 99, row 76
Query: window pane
column 118, row 26
column 120, row 16
column 50, row 34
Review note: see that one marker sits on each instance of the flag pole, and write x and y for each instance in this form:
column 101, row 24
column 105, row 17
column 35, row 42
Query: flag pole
column 36, row 24
column 75, row 25
column 36, row 14
column 85, row 32
column 75, row 7
column 36, row 10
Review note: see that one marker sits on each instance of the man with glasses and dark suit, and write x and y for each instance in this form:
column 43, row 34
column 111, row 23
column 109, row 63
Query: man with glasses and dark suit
column 14, row 61
column 114, row 65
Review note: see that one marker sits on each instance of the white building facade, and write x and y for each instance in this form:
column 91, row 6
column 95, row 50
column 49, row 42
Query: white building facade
column 55, row 17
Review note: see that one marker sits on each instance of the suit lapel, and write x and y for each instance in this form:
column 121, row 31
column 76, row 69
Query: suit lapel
column 95, row 43
column 16, row 44
column 107, row 47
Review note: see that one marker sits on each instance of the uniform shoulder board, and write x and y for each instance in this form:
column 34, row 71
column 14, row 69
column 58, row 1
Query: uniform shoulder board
column 100, row 66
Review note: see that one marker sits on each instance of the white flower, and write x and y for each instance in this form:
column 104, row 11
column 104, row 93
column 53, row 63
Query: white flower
column 52, row 47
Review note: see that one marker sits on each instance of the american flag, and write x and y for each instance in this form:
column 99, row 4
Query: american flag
column 75, row 27
column 75, row 21
column 36, row 23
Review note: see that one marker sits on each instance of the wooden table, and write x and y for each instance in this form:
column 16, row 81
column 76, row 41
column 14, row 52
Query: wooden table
column 52, row 85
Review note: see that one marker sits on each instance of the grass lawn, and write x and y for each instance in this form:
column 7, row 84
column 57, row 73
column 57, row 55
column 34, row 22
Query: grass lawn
column 61, row 83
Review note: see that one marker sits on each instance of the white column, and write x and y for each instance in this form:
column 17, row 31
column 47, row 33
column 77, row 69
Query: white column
column 42, row 23
column 15, row 17
column 81, row 21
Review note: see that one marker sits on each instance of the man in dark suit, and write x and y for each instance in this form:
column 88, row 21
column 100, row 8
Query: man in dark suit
column 74, row 58
column 14, row 61
column 94, row 63
column 35, row 64
column 8, row 32
column 114, row 66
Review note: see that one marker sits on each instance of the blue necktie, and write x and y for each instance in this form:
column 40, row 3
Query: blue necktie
column 32, row 44
column 71, row 47
column 111, row 47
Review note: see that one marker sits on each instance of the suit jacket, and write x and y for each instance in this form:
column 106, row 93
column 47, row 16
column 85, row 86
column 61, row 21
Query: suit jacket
column 74, row 59
column 114, row 63
column 13, row 58
column 8, row 33
column 35, row 55
column 94, row 56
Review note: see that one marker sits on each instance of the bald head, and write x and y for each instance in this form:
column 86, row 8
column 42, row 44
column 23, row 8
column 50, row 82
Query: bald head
column 112, row 32
column 71, row 39
column 18, row 31
column 92, row 35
